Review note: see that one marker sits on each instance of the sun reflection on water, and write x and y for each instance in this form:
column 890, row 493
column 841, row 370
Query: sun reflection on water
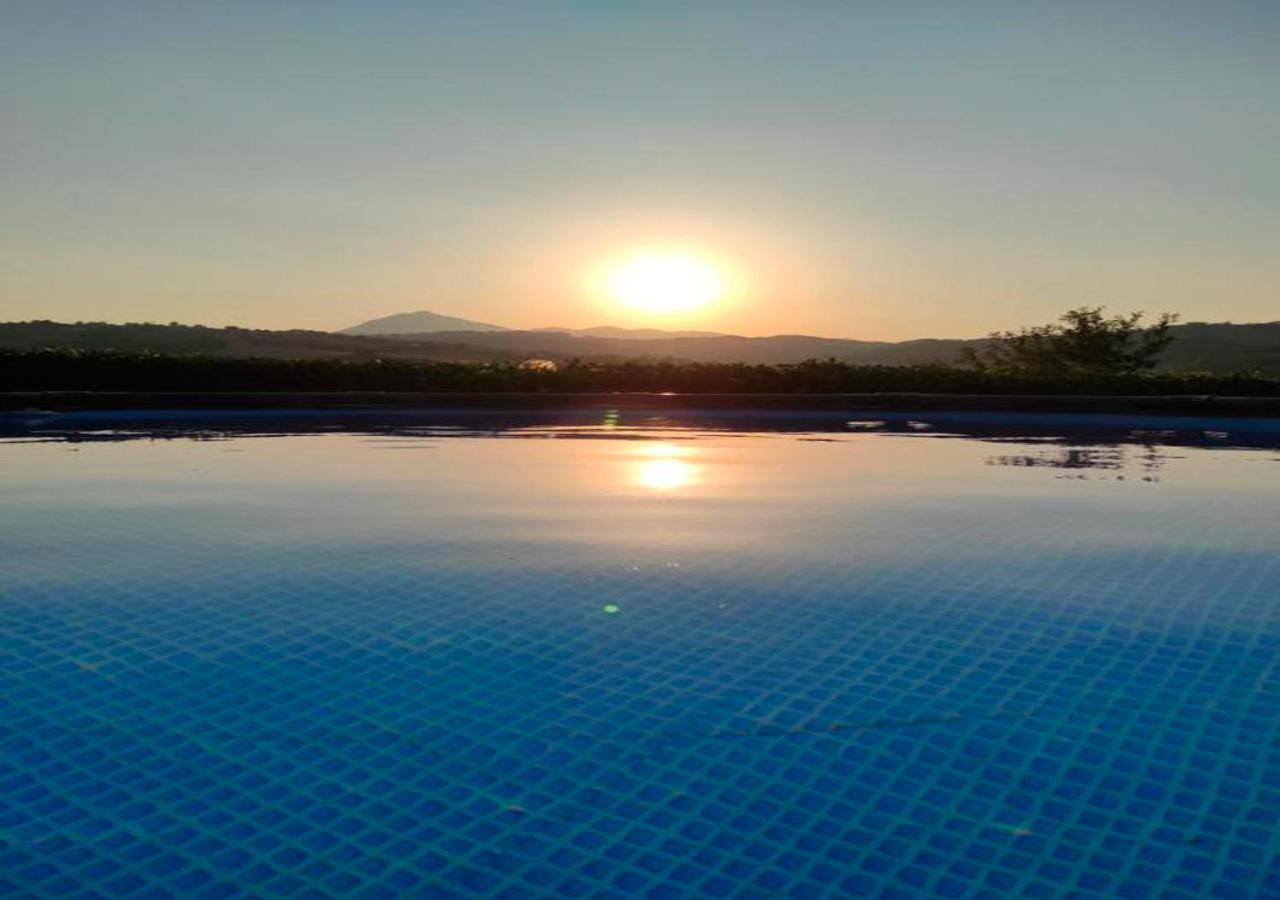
column 664, row 467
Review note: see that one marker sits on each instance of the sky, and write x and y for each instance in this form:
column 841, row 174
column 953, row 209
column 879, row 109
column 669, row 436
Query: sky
column 880, row 170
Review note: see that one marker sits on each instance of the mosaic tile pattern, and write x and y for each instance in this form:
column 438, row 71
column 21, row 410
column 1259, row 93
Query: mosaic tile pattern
column 954, row 699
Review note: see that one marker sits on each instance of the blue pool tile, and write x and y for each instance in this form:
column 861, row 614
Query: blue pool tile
column 987, row 682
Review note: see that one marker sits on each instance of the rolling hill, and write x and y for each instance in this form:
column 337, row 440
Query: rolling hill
column 193, row 340
column 424, row 321
column 1197, row 346
column 420, row 321
column 612, row 331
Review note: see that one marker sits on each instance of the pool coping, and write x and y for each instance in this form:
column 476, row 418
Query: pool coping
column 1192, row 405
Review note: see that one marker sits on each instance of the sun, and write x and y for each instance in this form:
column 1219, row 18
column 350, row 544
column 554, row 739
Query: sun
column 665, row 284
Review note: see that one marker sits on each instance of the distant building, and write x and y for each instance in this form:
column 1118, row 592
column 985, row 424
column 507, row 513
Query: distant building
column 542, row 365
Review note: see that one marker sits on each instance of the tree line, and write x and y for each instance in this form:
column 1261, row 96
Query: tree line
column 76, row 370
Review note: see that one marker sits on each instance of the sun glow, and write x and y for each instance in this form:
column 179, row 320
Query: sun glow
column 665, row 284
column 663, row 468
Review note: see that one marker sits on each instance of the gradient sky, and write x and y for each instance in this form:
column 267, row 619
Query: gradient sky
column 873, row 170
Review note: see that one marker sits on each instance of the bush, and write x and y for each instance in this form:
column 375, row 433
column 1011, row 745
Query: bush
column 1082, row 342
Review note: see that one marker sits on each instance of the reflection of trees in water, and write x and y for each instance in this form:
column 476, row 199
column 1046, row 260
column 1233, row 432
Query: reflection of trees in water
column 1151, row 461
column 1146, row 457
column 1065, row 458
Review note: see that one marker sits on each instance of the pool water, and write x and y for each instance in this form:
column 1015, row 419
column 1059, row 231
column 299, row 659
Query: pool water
column 582, row 655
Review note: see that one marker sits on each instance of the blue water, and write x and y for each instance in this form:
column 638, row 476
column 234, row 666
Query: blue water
column 442, row 654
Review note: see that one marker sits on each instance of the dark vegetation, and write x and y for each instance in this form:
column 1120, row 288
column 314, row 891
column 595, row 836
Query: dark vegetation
column 77, row 370
column 1082, row 342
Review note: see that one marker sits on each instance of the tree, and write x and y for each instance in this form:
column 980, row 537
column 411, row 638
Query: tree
column 1082, row 342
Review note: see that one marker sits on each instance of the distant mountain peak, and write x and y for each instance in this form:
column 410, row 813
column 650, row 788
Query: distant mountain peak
column 418, row 322
column 427, row 322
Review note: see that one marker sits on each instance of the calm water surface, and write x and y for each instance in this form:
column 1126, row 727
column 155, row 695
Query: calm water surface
column 451, row 655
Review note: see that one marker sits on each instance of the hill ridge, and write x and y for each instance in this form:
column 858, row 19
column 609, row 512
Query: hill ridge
column 421, row 320
column 1197, row 346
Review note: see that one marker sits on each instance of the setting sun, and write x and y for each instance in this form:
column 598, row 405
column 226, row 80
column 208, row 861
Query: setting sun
column 671, row 283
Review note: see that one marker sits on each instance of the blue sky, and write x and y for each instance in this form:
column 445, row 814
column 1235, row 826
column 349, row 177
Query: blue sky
column 877, row 170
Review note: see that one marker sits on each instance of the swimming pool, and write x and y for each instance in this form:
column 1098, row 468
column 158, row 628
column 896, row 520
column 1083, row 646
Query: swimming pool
column 610, row 654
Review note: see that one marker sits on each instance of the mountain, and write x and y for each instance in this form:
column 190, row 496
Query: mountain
column 641, row 334
column 426, row 322
column 417, row 323
column 192, row 340
column 1222, row 347
column 1197, row 346
column 718, row 348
